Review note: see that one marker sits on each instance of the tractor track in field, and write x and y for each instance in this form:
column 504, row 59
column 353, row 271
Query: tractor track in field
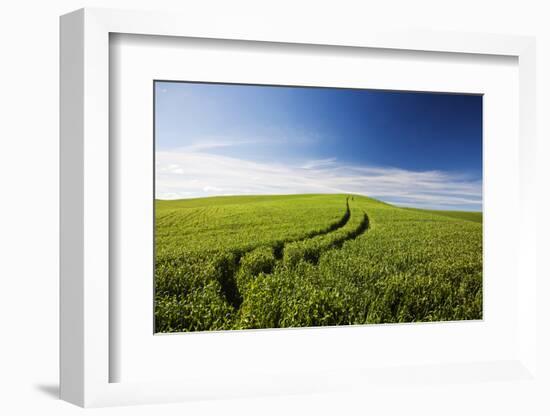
column 228, row 281
column 278, row 248
column 353, row 234
column 229, row 284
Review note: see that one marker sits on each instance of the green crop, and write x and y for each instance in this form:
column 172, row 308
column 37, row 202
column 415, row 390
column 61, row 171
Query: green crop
column 312, row 260
column 463, row 215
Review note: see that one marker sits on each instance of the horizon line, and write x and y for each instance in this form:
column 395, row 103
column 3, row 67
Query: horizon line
column 396, row 205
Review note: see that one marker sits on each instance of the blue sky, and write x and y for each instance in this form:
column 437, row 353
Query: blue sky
column 406, row 148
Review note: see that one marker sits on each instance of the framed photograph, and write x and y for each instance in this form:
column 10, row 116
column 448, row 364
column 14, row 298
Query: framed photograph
column 288, row 206
column 264, row 211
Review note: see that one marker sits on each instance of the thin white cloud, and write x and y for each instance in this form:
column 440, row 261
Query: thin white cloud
column 209, row 144
column 319, row 163
column 192, row 172
column 282, row 138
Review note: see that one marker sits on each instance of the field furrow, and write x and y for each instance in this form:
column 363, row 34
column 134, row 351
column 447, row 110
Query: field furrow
column 311, row 249
column 259, row 259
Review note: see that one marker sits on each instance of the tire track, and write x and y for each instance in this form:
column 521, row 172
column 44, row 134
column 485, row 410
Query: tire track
column 278, row 248
column 228, row 281
column 263, row 261
column 311, row 250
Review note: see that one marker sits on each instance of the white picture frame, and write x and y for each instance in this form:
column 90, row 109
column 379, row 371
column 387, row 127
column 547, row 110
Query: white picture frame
column 85, row 353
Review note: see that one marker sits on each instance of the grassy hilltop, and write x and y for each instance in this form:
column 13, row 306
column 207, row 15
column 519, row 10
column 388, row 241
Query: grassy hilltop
column 312, row 260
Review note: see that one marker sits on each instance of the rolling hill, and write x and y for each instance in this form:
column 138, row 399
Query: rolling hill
column 280, row 261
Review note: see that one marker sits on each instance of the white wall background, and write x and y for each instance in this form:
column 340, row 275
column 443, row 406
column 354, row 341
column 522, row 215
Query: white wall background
column 29, row 182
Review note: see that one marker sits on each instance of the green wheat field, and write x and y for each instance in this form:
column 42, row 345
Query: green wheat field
column 280, row 261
